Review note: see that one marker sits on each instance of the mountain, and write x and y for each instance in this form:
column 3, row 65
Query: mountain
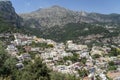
column 56, row 15
column 60, row 24
column 53, row 16
column 8, row 17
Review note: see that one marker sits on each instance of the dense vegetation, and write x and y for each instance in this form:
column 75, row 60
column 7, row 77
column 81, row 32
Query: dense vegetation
column 60, row 76
column 114, row 52
column 41, row 45
column 31, row 71
column 5, row 26
column 72, row 31
column 112, row 66
column 36, row 70
column 7, row 63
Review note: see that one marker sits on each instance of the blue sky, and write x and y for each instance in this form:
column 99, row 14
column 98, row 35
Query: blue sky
column 100, row 6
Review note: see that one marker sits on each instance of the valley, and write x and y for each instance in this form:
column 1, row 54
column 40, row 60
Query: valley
column 57, row 43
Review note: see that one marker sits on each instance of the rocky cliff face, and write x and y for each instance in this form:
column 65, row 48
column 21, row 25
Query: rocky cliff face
column 53, row 16
column 60, row 16
column 8, row 14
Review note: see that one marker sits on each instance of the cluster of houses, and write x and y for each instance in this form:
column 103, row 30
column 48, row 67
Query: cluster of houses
column 54, row 56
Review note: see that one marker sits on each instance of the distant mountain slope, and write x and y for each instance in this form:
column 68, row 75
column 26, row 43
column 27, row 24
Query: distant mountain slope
column 78, row 32
column 53, row 16
column 62, row 24
column 8, row 17
column 60, row 16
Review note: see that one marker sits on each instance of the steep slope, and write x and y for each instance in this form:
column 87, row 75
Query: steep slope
column 8, row 17
column 60, row 16
column 53, row 16
column 104, row 18
column 62, row 24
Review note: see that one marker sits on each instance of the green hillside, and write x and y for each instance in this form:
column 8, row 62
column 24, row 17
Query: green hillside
column 72, row 31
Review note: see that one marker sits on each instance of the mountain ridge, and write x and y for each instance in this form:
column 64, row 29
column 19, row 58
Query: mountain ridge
column 56, row 15
column 9, row 20
column 60, row 24
column 8, row 13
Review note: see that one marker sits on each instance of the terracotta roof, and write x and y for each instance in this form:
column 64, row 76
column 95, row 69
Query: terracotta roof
column 113, row 74
column 86, row 78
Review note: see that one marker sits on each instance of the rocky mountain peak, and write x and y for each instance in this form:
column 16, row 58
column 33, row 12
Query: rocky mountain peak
column 6, row 6
column 83, row 13
column 57, row 7
column 8, row 14
column 60, row 16
column 6, row 1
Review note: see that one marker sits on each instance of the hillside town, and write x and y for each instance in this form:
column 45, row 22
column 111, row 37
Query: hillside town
column 89, row 63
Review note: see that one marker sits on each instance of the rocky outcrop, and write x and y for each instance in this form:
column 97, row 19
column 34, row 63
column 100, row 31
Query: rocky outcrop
column 60, row 16
column 8, row 14
column 53, row 16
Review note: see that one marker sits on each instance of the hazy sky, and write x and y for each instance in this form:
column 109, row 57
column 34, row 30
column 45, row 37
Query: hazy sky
column 100, row 6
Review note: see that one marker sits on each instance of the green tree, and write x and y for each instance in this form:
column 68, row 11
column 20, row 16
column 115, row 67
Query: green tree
column 114, row 52
column 33, row 71
column 83, row 60
column 96, row 56
column 7, row 63
column 83, row 73
column 60, row 76
column 112, row 66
